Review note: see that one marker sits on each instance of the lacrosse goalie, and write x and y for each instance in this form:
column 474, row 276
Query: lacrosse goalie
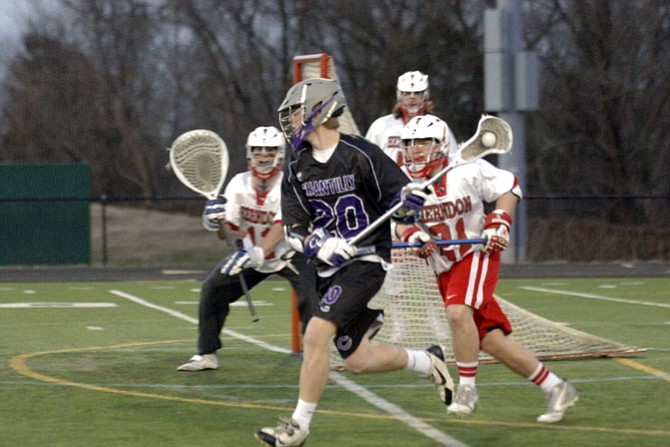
column 250, row 208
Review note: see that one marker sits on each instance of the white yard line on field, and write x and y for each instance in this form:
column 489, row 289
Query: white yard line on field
column 349, row 385
column 595, row 297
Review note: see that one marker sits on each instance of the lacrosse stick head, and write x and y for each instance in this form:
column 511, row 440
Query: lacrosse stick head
column 475, row 148
column 199, row 159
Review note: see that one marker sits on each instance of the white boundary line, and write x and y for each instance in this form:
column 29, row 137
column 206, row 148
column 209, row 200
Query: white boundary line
column 595, row 297
column 349, row 385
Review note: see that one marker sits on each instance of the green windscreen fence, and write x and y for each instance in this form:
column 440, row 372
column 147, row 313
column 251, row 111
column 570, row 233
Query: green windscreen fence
column 45, row 214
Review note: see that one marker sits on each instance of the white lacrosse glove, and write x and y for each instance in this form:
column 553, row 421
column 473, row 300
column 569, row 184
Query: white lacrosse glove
column 413, row 197
column 242, row 259
column 214, row 213
column 496, row 230
column 423, row 244
column 334, row 251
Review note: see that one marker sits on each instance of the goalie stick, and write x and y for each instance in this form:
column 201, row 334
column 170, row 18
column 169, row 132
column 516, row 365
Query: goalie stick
column 245, row 289
column 199, row 159
column 471, row 150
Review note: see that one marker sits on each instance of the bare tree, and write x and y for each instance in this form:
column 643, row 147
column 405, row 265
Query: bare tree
column 129, row 75
column 53, row 111
column 605, row 103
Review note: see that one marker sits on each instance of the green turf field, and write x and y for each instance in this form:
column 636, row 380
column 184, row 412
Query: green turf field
column 105, row 374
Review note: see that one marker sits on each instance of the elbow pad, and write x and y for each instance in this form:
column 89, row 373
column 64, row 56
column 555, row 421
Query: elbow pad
column 295, row 237
column 516, row 189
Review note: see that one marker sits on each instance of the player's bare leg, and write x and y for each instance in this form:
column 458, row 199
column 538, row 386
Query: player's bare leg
column 375, row 358
column 315, row 368
column 465, row 342
column 510, row 353
column 369, row 358
column 314, row 372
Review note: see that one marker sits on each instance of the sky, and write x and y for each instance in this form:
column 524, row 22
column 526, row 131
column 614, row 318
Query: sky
column 12, row 20
column 14, row 16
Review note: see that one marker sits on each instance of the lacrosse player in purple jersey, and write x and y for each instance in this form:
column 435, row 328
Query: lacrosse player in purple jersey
column 333, row 188
column 467, row 274
column 250, row 208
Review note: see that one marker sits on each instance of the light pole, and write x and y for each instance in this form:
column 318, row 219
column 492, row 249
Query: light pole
column 511, row 87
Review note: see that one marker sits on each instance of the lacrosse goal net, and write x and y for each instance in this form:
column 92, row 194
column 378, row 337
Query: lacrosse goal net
column 415, row 318
column 414, row 314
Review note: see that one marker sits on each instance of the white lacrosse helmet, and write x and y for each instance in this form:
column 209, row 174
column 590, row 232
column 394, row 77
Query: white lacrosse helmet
column 314, row 101
column 266, row 137
column 412, row 82
column 422, row 158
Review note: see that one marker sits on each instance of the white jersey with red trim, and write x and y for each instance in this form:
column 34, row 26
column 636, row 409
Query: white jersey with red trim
column 385, row 133
column 253, row 214
column 456, row 209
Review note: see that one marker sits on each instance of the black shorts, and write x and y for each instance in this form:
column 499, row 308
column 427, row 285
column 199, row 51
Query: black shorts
column 344, row 301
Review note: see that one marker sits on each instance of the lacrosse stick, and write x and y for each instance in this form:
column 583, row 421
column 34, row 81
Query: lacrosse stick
column 471, row 150
column 245, row 289
column 441, row 242
column 199, row 159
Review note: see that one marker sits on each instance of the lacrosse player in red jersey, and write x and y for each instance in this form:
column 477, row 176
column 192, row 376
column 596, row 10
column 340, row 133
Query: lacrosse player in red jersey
column 467, row 274
column 412, row 99
column 334, row 188
column 250, row 208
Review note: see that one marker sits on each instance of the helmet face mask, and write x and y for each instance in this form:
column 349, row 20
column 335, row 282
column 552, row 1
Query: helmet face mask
column 265, row 151
column 425, row 145
column 307, row 105
column 412, row 91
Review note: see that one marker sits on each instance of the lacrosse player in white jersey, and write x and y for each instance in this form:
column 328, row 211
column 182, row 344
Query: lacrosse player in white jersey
column 413, row 99
column 467, row 274
column 250, row 208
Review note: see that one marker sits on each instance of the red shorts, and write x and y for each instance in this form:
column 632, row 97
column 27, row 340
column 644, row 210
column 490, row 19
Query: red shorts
column 472, row 282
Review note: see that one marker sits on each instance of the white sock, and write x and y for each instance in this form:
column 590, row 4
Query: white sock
column 303, row 413
column 418, row 361
column 467, row 373
column 544, row 378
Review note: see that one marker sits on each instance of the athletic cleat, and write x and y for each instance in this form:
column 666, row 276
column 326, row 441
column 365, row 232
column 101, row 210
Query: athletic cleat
column 200, row 363
column 286, row 434
column 560, row 398
column 465, row 402
column 439, row 374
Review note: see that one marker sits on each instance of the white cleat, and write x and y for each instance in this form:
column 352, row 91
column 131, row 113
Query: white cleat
column 560, row 398
column 439, row 374
column 286, row 434
column 465, row 402
column 200, row 363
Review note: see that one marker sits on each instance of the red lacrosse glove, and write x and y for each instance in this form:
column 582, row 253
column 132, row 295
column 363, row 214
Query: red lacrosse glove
column 425, row 244
column 496, row 230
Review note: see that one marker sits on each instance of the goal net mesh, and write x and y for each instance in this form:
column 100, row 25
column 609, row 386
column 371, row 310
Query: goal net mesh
column 414, row 317
column 414, row 314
